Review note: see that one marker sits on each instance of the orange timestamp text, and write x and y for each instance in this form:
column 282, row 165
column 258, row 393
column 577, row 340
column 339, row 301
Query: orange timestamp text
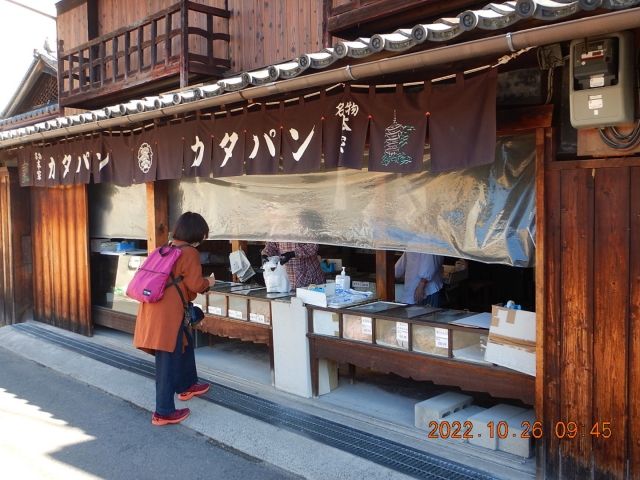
column 445, row 429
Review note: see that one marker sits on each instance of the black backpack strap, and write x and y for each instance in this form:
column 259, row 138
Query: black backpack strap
column 175, row 281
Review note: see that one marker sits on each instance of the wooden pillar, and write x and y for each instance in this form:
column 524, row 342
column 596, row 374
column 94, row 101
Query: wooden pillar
column 543, row 152
column 235, row 245
column 326, row 13
column 16, row 289
column 385, row 275
column 157, row 214
column 60, row 77
column 93, row 31
column 184, row 45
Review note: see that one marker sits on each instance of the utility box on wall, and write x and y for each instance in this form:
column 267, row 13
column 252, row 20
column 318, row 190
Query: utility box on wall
column 601, row 86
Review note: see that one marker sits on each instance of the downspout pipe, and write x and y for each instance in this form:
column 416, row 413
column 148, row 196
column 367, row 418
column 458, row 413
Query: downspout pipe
column 497, row 45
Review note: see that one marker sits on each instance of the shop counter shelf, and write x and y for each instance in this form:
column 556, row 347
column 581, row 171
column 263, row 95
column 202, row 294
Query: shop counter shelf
column 413, row 342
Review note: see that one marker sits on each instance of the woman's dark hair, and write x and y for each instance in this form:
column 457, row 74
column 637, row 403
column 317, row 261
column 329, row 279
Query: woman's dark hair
column 190, row 228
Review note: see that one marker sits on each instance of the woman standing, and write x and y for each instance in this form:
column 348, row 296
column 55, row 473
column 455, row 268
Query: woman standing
column 160, row 329
column 300, row 260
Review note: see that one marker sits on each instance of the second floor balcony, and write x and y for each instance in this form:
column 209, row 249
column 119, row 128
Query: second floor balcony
column 177, row 46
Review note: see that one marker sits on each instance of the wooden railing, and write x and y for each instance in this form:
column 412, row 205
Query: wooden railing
column 161, row 45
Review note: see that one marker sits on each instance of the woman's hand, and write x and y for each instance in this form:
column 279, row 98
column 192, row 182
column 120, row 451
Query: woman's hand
column 418, row 295
column 286, row 256
column 211, row 280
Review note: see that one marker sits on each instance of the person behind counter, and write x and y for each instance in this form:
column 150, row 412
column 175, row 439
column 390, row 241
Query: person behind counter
column 300, row 260
column 422, row 278
column 160, row 330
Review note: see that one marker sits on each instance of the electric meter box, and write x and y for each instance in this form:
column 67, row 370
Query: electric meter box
column 601, row 90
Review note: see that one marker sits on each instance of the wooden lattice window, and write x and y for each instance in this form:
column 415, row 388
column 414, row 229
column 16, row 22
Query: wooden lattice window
column 44, row 93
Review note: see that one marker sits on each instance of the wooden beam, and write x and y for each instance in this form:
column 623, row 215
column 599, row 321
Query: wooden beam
column 93, row 22
column 497, row 381
column 228, row 327
column 526, row 118
column 154, row 43
column 209, row 34
column 385, row 275
column 205, row 70
column 216, row 12
column 157, row 214
column 127, row 54
column 326, row 13
column 139, row 49
column 184, row 45
column 540, row 276
column 633, row 365
column 611, row 314
column 107, row 317
column 63, row 6
column 120, row 90
column 167, row 39
column 594, row 163
column 385, row 9
column 576, row 335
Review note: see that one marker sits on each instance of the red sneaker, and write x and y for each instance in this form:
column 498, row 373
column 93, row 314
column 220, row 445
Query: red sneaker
column 195, row 389
column 175, row 417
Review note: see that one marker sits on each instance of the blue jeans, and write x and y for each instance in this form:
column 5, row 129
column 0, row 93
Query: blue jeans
column 175, row 373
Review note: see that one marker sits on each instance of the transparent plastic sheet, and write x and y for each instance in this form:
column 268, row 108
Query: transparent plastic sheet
column 117, row 212
column 484, row 213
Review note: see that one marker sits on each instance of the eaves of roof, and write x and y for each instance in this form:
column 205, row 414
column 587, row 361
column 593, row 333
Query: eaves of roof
column 45, row 111
column 287, row 76
column 41, row 63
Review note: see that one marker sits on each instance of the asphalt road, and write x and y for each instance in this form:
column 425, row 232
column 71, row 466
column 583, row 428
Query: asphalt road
column 54, row 427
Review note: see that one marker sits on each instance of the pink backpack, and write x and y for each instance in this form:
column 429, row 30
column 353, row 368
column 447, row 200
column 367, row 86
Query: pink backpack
column 150, row 281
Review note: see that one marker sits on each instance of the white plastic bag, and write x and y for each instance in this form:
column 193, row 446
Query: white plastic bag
column 240, row 265
column 275, row 277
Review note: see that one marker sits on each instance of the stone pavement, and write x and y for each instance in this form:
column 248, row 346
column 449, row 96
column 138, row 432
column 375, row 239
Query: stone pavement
column 295, row 452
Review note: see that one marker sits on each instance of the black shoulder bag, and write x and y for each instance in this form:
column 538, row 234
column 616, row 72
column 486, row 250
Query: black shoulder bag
column 192, row 314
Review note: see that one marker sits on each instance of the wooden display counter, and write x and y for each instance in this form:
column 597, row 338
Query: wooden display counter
column 107, row 317
column 240, row 311
column 422, row 347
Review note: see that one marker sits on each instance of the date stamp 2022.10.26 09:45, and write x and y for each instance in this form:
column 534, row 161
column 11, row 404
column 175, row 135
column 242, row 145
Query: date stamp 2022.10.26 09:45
column 562, row 430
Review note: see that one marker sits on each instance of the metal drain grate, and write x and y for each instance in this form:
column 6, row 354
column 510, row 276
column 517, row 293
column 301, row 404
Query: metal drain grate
column 371, row 447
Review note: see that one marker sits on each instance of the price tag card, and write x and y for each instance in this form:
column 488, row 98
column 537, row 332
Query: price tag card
column 256, row 317
column 402, row 332
column 366, row 325
column 215, row 310
column 442, row 338
column 235, row 314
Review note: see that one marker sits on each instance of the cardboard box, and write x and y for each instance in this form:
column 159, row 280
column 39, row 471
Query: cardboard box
column 512, row 339
column 326, row 323
column 313, row 297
